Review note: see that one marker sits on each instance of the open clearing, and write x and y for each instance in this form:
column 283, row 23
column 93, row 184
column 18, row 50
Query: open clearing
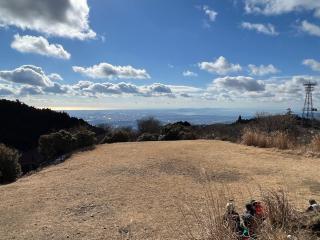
column 131, row 190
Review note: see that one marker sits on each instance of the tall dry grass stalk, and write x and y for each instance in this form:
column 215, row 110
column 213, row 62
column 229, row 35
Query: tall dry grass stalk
column 277, row 139
column 252, row 137
column 280, row 140
column 282, row 219
column 315, row 143
column 208, row 223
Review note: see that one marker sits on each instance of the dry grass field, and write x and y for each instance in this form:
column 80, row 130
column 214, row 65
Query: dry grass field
column 132, row 190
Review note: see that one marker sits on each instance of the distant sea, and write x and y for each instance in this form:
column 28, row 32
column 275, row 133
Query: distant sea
column 120, row 118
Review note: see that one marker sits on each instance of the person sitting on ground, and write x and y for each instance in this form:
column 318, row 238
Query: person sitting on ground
column 259, row 211
column 249, row 219
column 232, row 218
column 313, row 206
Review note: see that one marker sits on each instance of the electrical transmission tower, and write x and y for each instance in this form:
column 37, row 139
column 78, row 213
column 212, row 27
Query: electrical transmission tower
column 308, row 108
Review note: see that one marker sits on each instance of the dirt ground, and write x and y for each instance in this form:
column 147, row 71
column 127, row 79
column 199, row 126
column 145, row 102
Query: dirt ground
column 133, row 190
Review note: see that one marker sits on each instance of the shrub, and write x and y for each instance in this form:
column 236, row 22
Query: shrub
column 10, row 168
column 84, row 138
column 56, row 144
column 120, row 135
column 147, row 137
column 271, row 123
column 149, row 125
column 177, row 131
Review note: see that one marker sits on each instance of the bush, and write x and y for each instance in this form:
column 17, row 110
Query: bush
column 85, row 138
column 120, row 135
column 10, row 168
column 56, row 144
column 147, row 137
column 149, row 125
column 177, row 131
column 271, row 123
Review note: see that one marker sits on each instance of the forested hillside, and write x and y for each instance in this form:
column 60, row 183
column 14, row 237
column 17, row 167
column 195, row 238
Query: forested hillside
column 22, row 125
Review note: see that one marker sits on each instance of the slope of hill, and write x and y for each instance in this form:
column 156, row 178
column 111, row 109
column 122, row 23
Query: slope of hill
column 130, row 190
column 21, row 125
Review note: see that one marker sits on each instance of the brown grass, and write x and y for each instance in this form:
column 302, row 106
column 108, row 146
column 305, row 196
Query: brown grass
column 277, row 139
column 253, row 137
column 280, row 140
column 282, row 218
column 131, row 190
column 315, row 143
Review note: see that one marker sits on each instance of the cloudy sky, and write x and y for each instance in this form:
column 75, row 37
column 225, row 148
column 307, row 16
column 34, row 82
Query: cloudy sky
column 124, row 54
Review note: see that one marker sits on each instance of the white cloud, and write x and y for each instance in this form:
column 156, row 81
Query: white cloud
column 62, row 18
column 211, row 14
column 57, row 88
column 276, row 7
column 55, row 77
column 6, row 90
column 247, row 88
column 30, row 90
column 310, row 28
column 189, row 74
column 220, row 66
column 239, row 83
column 26, row 74
column 110, row 88
column 38, row 45
column 262, row 69
column 92, row 89
column 108, row 71
column 313, row 64
column 156, row 90
column 267, row 29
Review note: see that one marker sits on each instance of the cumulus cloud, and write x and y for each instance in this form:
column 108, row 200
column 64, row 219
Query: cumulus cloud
column 310, row 28
column 56, row 88
column 26, row 74
column 276, row 7
column 108, row 71
column 293, row 86
column 220, row 66
column 30, row 90
column 110, row 88
column 55, row 77
column 247, row 88
column 38, row 45
column 211, row 14
column 313, row 64
column 189, row 74
column 267, row 29
column 89, row 88
column 262, row 69
column 158, row 88
column 62, row 18
column 6, row 91
column 239, row 83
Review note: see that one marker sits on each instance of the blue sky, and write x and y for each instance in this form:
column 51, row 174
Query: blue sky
column 78, row 54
